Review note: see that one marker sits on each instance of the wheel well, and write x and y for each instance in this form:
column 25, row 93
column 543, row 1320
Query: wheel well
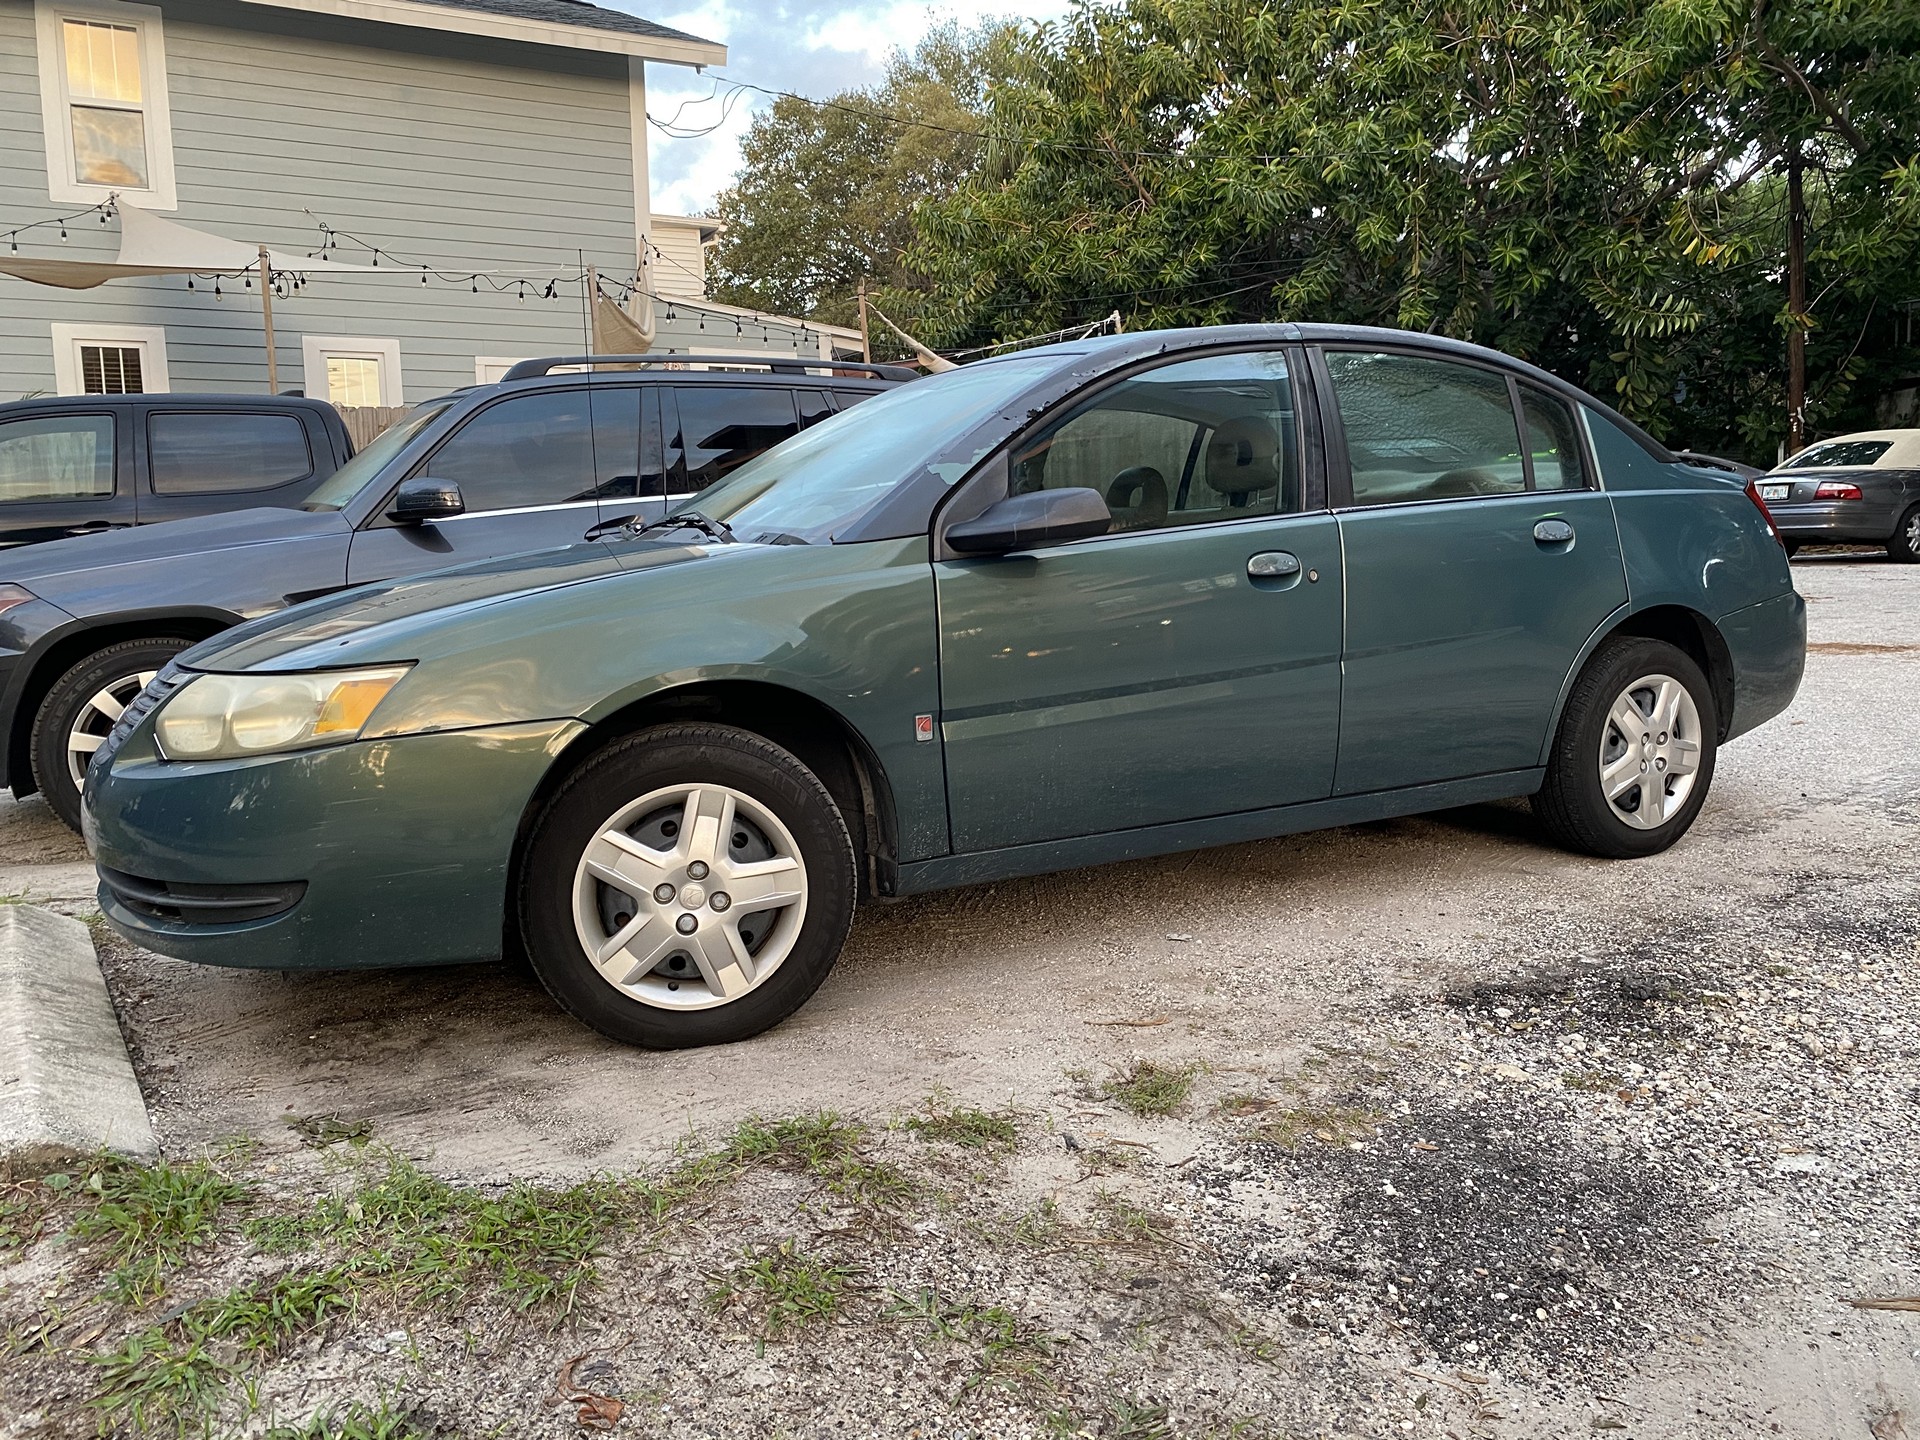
column 1692, row 632
column 798, row 723
column 62, row 656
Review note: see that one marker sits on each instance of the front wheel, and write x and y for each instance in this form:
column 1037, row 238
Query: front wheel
column 80, row 710
column 1631, row 764
column 689, row 885
column 1905, row 544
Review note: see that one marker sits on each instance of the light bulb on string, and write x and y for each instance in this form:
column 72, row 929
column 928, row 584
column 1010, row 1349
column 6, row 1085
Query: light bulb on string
column 423, row 274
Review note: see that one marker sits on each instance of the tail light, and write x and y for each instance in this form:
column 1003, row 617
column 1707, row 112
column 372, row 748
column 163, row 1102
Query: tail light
column 1753, row 494
column 1836, row 490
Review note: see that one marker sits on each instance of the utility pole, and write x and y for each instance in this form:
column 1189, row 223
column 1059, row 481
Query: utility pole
column 266, row 314
column 1796, row 304
column 866, row 337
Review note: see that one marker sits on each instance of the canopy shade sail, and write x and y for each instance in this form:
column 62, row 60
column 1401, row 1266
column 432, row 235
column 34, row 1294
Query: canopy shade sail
column 152, row 246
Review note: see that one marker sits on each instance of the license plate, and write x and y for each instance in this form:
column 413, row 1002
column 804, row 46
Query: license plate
column 1775, row 492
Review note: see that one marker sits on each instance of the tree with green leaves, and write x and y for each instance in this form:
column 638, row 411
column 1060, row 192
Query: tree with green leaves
column 1603, row 186
column 826, row 194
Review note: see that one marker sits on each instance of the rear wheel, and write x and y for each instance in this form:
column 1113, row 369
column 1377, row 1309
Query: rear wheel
column 1905, row 544
column 689, row 885
column 81, row 708
column 1631, row 764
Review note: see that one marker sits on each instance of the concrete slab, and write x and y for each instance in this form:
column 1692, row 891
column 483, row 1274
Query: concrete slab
column 65, row 1079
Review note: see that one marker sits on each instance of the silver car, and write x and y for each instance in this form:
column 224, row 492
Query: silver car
column 1861, row 489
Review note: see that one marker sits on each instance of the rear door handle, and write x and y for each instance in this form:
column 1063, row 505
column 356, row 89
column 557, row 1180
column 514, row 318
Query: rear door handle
column 1553, row 532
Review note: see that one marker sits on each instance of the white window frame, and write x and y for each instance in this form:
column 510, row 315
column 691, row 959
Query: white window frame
column 56, row 116
column 150, row 339
column 315, row 350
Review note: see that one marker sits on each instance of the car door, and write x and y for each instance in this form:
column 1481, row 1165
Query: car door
column 528, row 474
column 202, row 462
column 1476, row 566
column 59, row 476
column 1186, row 663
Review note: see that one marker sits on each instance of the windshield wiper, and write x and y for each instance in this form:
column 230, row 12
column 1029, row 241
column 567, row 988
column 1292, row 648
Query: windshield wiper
column 688, row 520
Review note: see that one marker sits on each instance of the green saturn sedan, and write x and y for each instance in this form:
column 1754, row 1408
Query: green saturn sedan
column 1109, row 599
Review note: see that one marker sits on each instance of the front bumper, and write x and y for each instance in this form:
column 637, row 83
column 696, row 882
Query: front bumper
column 382, row 852
column 1833, row 522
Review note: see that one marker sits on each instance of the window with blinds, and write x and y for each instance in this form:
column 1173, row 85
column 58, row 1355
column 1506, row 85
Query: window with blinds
column 110, row 370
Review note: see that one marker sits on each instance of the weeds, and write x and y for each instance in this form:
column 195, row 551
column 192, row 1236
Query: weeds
column 969, row 1129
column 1038, row 1227
column 1240, row 1105
column 782, row 1289
column 1330, row 1125
column 151, row 1215
column 356, row 1422
column 321, row 1131
column 1131, row 1223
column 1597, row 1082
column 1010, row 1349
column 1150, row 1088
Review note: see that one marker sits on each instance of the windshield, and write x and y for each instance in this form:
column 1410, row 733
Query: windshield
column 1839, row 452
column 339, row 488
column 822, row 479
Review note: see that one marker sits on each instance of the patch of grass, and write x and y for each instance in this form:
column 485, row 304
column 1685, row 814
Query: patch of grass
column 1329, row 1124
column 173, row 1374
column 822, row 1145
column 356, row 1422
column 1010, row 1350
column 1130, row 1223
column 967, row 1128
column 1240, row 1105
column 1597, row 1082
column 1149, row 1088
column 149, row 1216
column 320, row 1131
column 1038, row 1227
column 782, row 1289
column 433, row 1241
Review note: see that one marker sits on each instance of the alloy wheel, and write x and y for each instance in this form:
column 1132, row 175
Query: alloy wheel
column 690, row 897
column 1650, row 751
column 96, row 720
column 1913, row 532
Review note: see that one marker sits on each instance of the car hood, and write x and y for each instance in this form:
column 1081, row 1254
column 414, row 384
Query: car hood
column 340, row 629
column 142, row 544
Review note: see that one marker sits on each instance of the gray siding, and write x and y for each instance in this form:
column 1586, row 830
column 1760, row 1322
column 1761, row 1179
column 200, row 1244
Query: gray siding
column 461, row 152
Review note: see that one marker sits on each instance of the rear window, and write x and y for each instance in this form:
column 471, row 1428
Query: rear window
column 193, row 452
column 56, row 457
column 1839, row 452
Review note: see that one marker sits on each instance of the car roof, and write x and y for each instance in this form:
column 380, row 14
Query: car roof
column 194, row 401
column 1902, row 452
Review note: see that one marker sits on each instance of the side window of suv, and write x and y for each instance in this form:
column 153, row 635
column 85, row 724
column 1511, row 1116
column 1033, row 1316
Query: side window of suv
column 724, row 426
column 526, row 450
column 56, row 457
column 199, row 452
column 1422, row 429
column 1186, row 444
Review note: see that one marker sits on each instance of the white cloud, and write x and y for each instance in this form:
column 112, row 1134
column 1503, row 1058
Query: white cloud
column 807, row 47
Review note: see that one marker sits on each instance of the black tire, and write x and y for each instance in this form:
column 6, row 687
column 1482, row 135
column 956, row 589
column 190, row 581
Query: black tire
column 66, row 704
column 637, row 766
column 1904, row 546
column 1571, row 805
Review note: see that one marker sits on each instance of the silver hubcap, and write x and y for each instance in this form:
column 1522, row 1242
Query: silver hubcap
column 690, row 897
column 1913, row 532
column 1650, row 751
column 96, row 719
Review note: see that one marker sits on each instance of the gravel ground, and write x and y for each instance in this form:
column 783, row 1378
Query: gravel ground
column 1466, row 1137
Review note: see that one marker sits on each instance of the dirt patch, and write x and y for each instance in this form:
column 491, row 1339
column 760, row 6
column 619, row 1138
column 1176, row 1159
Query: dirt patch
column 1856, row 647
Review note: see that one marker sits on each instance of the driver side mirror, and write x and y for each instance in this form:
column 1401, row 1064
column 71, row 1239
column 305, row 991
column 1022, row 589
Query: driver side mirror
column 422, row 499
column 1039, row 517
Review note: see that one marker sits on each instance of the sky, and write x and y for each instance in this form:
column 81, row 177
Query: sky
column 809, row 47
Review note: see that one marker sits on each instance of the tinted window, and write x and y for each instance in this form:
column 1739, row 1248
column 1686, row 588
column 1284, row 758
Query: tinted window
column 530, row 450
column 849, row 398
column 57, row 457
column 350, row 479
column 1420, row 429
column 1201, row 440
column 815, row 406
column 1553, row 441
column 199, row 453
column 724, row 426
column 616, row 440
column 1839, row 452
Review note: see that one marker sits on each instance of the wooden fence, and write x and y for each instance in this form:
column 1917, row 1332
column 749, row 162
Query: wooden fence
column 366, row 421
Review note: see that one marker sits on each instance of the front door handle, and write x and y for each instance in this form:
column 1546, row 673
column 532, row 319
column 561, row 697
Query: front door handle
column 1553, row 532
column 1273, row 565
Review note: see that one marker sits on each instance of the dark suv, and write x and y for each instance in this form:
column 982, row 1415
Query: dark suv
column 82, row 463
column 541, row 459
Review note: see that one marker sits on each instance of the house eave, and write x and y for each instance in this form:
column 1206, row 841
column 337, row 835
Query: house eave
column 661, row 49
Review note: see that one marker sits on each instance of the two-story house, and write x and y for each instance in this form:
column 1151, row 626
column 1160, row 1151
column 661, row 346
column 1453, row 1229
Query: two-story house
column 483, row 154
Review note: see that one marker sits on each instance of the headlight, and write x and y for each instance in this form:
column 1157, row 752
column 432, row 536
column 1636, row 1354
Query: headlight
column 219, row 717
